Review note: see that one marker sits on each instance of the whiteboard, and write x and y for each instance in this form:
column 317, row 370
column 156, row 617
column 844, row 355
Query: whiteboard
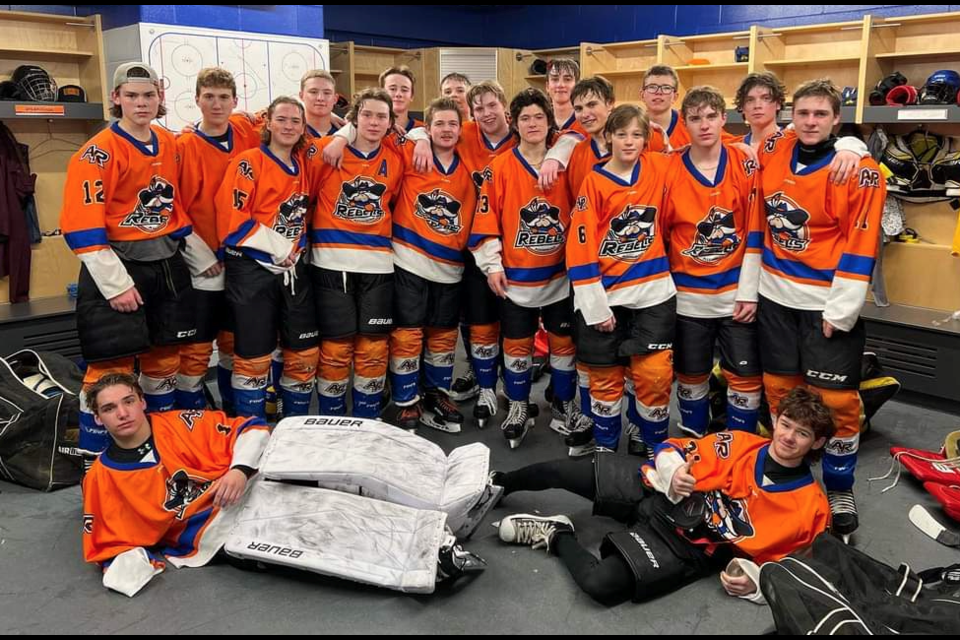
column 265, row 66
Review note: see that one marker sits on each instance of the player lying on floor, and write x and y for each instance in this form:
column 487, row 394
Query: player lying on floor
column 180, row 486
column 697, row 506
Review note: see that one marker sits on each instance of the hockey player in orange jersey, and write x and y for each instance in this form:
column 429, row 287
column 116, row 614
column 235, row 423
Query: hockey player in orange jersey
column 205, row 153
column 623, row 294
column 712, row 228
column 163, row 489
column 562, row 75
column 456, row 86
column 760, row 97
column 518, row 240
column 179, row 487
column 352, row 259
column 431, row 225
column 123, row 218
column 318, row 93
column 820, row 247
column 481, row 141
column 263, row 221
column 696, row 506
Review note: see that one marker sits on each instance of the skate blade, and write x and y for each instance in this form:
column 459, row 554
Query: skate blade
column 463, row 397
column 583, row 450
column 560, row 427
column 846, row 537
column 481, row 422
column 515, row 443
column 446, row 427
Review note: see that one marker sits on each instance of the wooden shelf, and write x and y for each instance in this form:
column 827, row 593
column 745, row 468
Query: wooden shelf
column 70, row 49
column 537, row 78
column 732, row 66
column 811, row 62
column 37, row 53
column 634, row 44
column 901, row 55
column 71, row 111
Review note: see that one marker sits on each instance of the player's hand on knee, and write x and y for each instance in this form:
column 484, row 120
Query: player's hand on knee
column 229, row 489
column 127, row 302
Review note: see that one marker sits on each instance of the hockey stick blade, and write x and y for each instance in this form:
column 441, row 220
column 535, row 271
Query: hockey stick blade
column 922, row 520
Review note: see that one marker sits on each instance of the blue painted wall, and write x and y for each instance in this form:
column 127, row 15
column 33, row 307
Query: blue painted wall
column 521, row 26
column 538, row 27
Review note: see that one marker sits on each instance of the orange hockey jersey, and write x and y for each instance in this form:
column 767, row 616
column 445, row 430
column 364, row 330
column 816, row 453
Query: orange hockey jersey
column 352, row 225
column 616, row 255
column 247, row 133
column 714, row 235
column 585, row 157
column 118, row 190
column 763, row 520
column 523, row 231
column 262, row 206
column 163, row 502
column 203, row 165
column 432, row 219
column 477, row 152
column 572, row 124
column 678, row 136
column 821, row 239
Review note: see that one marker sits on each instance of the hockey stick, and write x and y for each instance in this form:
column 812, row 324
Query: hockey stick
column 922, row 520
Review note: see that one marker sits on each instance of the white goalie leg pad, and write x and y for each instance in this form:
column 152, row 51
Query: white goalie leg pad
column 341, row 535
column 380, row 461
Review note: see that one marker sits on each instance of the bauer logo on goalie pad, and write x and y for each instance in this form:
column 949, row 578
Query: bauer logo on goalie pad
column 274, row 549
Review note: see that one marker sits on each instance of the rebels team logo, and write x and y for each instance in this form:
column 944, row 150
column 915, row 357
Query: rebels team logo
column 291, row 217
column 88, row 523
column 182, row 491
column 631, row 233
column 727, row 517
column 153, row 210
column 440, row 211
column 95, row 155
column 360, row 201
column 788, row 223
column 540, row 228
column 716, row 237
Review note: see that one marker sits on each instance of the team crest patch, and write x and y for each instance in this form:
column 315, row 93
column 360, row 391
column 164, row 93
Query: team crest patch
column 182, row 491
column 359, row 201
column 95, row 155
column 631, row 233
column 441, row 211
column 716, row 237
column 727, row 517
column 541, row 230
column 291, row 217
column 152, row 213
column 788, row 223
